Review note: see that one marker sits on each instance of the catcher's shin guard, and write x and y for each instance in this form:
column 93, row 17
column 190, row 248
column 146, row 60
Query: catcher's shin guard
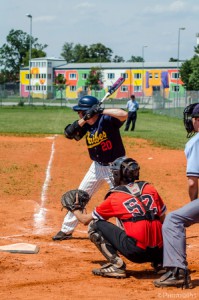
column 99, row 241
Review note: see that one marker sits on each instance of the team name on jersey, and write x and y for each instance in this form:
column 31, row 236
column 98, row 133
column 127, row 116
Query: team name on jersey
column 96, row 139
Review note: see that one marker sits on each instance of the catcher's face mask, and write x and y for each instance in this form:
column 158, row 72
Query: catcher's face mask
column 191, row 111
column 124, row 170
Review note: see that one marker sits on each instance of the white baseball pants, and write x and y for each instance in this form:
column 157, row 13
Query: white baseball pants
column 96, row 176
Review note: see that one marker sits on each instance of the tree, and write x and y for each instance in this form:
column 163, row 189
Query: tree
column 189, row 72
column 99, row 53
column 80, row 54
column 118, row 59
column 136, row 59
column 67, row 52
column 173, row 59
column 60, row 83
column 196, row 49
column 14, row 53
column 94, row 80
column 35, row 53
column 185, row 72
column 194, row 76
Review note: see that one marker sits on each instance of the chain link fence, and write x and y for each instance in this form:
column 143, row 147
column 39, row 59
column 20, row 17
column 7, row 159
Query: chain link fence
column 172, row 105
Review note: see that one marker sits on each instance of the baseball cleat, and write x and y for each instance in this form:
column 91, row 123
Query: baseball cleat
column 108, row 270
column 175, row 277
column 60, row 236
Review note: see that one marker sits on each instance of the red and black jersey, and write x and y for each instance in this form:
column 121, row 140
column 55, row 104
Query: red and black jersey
column 126, row 206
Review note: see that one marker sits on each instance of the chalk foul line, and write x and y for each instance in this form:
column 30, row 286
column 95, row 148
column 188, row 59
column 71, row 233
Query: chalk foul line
column 39, row 216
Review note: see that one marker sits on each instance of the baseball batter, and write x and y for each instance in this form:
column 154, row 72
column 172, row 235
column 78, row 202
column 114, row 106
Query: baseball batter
column 101, row 128
column 176, row 222
column 141, row 211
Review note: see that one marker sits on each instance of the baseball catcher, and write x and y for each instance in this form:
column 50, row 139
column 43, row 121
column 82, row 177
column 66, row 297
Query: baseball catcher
column 140, row 210
column 75, row 199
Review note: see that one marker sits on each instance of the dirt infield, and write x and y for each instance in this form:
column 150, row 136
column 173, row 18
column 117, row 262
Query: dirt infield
column 34, row 173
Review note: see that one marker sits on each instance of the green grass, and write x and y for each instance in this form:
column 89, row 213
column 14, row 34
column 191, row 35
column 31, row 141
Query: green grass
column 30, row 120
column 162, row 130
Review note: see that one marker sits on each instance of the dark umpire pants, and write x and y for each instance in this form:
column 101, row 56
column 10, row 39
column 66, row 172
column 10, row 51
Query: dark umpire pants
column 127, row 245
column 132, row 117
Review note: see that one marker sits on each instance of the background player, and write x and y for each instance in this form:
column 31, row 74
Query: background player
column 174, row 234
column 141, row 211
column 101, row 127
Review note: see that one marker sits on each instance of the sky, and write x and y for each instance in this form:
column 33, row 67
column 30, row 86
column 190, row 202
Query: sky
column 128, row 27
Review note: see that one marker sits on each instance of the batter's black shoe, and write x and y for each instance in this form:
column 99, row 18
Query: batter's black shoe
column 175, row 277
column 60, row 236
column 108, row 270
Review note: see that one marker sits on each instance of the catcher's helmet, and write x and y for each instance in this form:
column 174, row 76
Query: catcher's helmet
column 85, row 103
column 124, row 170
column 191, row 111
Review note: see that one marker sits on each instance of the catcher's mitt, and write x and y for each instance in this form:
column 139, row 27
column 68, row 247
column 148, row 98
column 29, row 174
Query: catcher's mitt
column 75, row 200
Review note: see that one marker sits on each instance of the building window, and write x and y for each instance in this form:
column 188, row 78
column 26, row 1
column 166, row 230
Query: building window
column 175, row 75
column 124, row 75
column 73, row 76
column 28, row 88
column 156, row 75
column 84, row 76
column 137, row 75
column 111, row 75
column 73, row 88
column 175, row 88
column 49, row 64
column 124, row 88
column 84, row 88
column 150, row 75
column 137, row 88
column 49, row 76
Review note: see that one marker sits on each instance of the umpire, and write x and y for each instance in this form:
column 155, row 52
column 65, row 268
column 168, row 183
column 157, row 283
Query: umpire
column 132, row 106
column 140, row 211
column 176, row 222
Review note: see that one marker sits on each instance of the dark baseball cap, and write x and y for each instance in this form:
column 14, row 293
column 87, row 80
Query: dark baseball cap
column 195, row 112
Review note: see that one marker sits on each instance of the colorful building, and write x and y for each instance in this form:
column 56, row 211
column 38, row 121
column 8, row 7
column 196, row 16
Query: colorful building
column 143, row 80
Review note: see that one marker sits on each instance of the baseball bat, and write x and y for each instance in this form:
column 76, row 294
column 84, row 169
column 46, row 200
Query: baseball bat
column 113, row 88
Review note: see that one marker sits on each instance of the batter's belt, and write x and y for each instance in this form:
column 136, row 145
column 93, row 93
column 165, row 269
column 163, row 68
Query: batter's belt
column 102, row 163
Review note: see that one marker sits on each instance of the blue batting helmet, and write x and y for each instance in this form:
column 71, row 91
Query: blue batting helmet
column 85, row 103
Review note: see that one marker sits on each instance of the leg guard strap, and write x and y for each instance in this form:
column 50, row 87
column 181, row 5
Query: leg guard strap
column 96, row 237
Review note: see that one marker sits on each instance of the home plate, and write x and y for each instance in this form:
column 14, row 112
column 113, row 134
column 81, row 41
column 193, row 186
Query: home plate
column 20, row 248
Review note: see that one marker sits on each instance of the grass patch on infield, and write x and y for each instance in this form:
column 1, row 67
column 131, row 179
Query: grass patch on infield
column 34, row 120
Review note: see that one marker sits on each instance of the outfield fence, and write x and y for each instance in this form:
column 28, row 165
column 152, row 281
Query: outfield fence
column 172, row 106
